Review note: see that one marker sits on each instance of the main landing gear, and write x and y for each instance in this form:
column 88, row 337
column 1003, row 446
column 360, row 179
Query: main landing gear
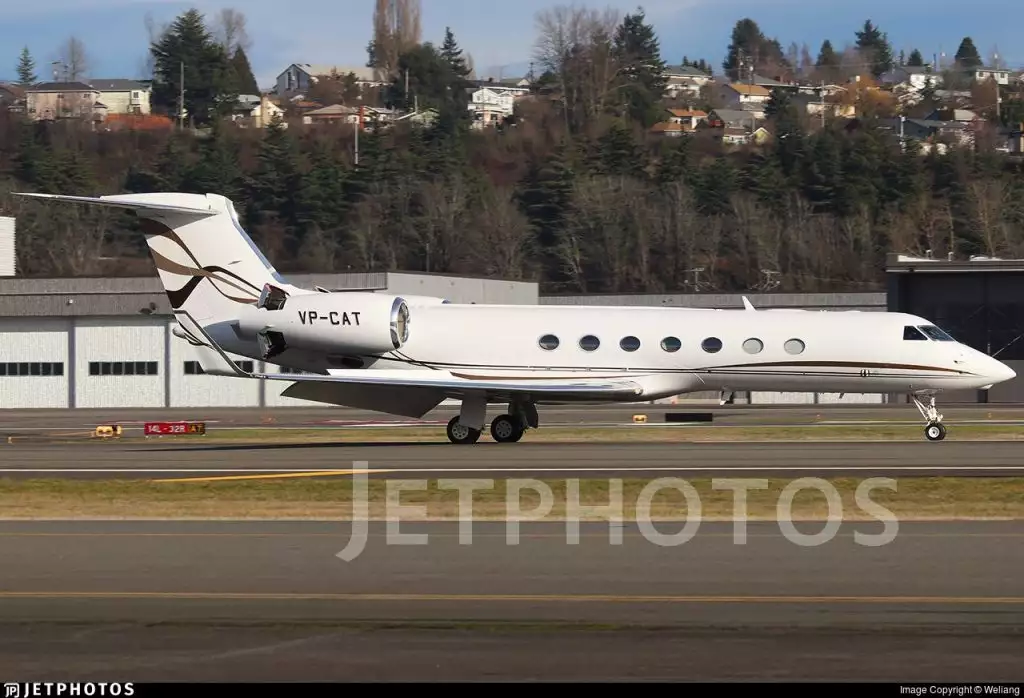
column 467, row 427
column 934, row 430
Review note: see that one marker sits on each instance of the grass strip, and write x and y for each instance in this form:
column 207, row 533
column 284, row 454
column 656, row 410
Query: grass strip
column 331, row 498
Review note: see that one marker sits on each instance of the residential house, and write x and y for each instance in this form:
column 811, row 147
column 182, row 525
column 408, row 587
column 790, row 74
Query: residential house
column 297, row 78
column 335, row 113
column 983, row 74
column 738, row 95
column 772, row 84
column 732, row 118
column 930, row 132
column 732, row 135
column 12, row 97
column 63, row 100
column 670, row 129
column 340, row 113
column 492, row 102
column 684, row 80
column 124, row 96
column 688, row 118
column 256, row 111
column 820, row 105
column 915, row 78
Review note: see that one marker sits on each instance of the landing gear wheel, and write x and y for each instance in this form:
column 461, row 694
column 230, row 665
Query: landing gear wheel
column 506, row 429
column 460, row 434
column 935, row 432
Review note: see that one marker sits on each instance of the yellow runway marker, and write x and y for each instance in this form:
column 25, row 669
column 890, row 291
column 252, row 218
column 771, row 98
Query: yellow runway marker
column 271, row 476
column 529, row 598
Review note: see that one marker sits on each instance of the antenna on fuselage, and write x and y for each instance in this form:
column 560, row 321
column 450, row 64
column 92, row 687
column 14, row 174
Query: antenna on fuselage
column 747, row 304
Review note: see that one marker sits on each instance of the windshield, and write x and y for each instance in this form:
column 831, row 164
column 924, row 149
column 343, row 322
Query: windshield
column 935, row 333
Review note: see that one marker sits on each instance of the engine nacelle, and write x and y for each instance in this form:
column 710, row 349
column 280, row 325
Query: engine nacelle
column 337, row 323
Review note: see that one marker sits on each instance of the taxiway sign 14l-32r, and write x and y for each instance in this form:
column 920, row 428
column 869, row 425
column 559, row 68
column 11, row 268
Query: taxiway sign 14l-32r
column 404, row 355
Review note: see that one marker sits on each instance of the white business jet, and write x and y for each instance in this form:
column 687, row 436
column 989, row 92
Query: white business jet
column 404, row 355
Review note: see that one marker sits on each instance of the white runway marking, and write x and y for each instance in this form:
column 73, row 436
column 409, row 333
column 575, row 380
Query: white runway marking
column 501, row 469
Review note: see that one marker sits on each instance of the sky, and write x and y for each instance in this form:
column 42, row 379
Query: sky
column 499, row 36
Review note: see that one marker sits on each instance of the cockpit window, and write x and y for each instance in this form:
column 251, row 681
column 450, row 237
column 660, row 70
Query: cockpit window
column 911, row 332
column 936, row 334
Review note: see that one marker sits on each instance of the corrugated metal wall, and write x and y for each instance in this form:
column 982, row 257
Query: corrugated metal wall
column 29, row 350
column 8, row 254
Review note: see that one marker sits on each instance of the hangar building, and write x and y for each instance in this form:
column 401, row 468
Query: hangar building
column 83, row 342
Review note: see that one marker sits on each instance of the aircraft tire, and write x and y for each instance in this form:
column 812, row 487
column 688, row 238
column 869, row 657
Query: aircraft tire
column 459, row 434
column 935, row 432
column 506, row 429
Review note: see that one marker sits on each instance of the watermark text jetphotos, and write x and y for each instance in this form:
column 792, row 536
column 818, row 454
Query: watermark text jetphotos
column 614, row 512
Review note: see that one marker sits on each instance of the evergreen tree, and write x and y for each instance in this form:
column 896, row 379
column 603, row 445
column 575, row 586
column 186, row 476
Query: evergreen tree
column 26, row 69
column 747, row 40
column 874, row 47
column 245, row 81
column 452, row 55
column 637, row 51
column 967, row 55
column 916, row 60
column 208, row 88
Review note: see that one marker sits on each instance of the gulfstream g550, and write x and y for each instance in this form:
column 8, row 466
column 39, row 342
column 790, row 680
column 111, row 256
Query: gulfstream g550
column 405, row 355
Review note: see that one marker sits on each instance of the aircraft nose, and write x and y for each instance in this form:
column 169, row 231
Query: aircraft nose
column 1000, row 372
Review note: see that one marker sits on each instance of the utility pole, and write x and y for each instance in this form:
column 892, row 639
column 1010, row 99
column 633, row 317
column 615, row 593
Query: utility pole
column 822, row 95
column 181, row 95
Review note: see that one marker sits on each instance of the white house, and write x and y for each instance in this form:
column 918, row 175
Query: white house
column 983, row 74
column 121, row 96
column 492, row 101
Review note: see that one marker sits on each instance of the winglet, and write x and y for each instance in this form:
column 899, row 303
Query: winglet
column 212, row 358
column 747, row 304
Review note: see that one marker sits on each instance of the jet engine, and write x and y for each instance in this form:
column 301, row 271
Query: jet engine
column 336, row 323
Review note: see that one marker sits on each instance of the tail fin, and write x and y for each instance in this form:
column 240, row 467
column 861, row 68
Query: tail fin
column 207, row 263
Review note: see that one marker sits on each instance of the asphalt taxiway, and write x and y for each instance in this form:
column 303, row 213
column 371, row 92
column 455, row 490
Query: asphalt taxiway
column 159, row 460
column 252, row 601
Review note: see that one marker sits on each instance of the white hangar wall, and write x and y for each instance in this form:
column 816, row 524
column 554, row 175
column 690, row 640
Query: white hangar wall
column 34, row 362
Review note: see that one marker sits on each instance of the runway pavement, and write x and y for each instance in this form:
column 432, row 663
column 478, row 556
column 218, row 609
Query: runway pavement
column 16, row 421
column 160, row 460
column 137, row 601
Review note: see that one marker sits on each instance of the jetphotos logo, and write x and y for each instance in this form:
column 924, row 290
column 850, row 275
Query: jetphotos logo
column 685, row 523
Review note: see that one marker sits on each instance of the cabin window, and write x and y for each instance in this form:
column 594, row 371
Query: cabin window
column 753, row 346
column 548, row 342
column 912, row 333
column 936, row 334
column 670, row 344
column 589, row 343
column 629, row 344
column 711, row 345
column 794, row 346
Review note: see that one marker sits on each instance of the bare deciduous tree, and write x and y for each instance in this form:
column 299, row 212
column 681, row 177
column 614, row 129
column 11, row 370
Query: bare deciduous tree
column 574, row 44
column 396, row 29
column 230, row 30
column 73, row 61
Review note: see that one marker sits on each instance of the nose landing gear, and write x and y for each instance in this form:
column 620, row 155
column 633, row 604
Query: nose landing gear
column 934, row 429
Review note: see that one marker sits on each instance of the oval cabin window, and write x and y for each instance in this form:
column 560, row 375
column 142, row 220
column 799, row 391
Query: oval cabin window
column 549, row 342
column 794, row 346
column 629, row 344
column 670, row 344
column 589, row 343
column 753, row 346
column 711, row 345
